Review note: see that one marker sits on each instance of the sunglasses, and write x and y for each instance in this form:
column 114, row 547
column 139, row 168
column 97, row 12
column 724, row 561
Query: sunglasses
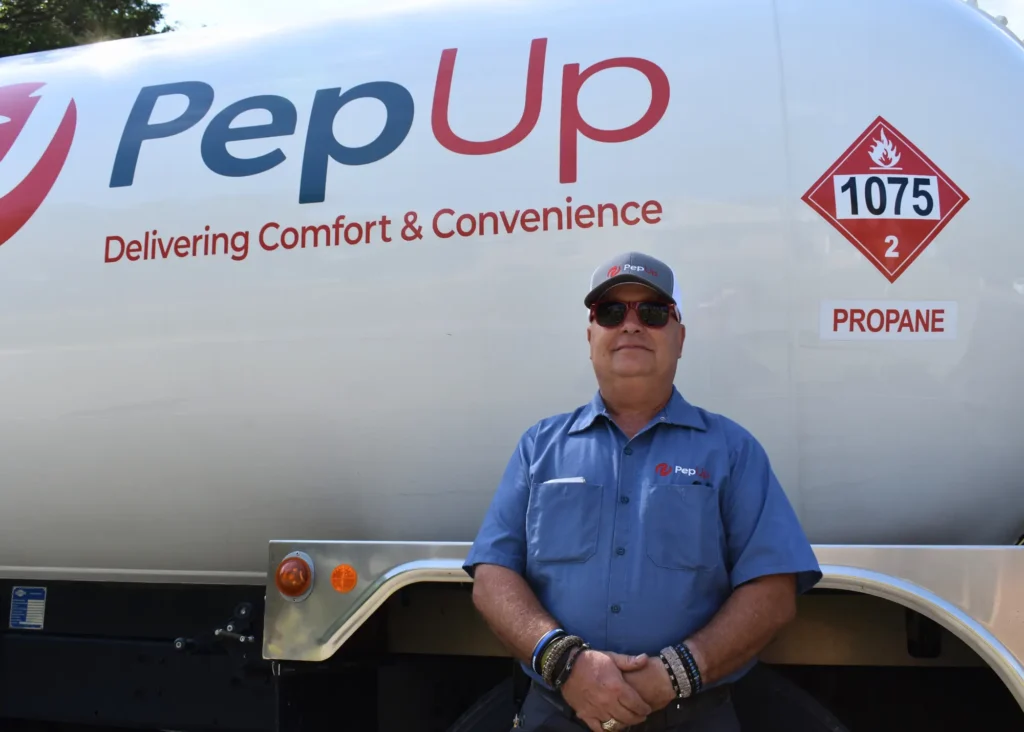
column 610, row 314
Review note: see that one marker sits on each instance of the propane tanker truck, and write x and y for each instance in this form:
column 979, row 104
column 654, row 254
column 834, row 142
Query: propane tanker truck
column 276, row 306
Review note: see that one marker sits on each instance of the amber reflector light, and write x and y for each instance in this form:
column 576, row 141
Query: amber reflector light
column 343, row 578
column 293, row 576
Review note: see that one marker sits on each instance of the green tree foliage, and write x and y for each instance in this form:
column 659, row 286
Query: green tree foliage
column 27, row 26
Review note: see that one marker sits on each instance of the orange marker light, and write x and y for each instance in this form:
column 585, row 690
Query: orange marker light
column 293, row 576
column 344, row 577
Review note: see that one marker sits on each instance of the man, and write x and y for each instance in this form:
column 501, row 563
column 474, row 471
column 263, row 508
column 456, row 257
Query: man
column 639, row 551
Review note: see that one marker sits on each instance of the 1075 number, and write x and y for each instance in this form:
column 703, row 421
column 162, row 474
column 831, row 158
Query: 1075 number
column 889, row 196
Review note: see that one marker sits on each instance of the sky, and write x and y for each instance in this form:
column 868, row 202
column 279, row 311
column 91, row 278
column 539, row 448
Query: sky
column 194, row 14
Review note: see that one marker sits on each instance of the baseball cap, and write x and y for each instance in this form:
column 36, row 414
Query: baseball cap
column 639, row 268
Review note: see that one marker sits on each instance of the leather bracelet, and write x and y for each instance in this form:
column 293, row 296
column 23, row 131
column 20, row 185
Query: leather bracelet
column 573, row 654
column 554, row 661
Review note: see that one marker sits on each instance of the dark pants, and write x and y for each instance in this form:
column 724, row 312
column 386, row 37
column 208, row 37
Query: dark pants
column 710, row 711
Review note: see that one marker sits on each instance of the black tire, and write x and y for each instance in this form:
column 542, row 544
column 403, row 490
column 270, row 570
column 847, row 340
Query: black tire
column 493, row 712
column 767, row 701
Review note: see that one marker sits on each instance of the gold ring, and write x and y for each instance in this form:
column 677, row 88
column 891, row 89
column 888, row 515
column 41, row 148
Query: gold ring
column 611, row 724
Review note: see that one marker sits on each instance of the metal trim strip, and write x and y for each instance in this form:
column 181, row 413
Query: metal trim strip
column 984, row 578
column 927, row 603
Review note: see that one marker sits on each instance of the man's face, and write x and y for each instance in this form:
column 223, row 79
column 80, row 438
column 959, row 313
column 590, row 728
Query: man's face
column 632, row 349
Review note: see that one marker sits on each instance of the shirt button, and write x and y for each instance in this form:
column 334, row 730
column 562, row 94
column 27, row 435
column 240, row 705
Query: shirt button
column 623, row 499
column 620, row 551
column 615, row 608
column 628, row 451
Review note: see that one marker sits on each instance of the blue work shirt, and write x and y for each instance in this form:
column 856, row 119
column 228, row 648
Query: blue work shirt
column 635, row 544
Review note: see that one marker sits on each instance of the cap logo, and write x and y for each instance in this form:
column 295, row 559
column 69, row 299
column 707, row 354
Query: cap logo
column 613, row 271
column 638, row 268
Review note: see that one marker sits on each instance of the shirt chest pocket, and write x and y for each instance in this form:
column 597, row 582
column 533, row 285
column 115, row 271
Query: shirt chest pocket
column 563, row 521
column 682, row 527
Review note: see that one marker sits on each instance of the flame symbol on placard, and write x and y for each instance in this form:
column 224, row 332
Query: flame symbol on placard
column 884, row 152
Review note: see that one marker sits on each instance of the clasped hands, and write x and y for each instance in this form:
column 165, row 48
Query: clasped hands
column 605, row 685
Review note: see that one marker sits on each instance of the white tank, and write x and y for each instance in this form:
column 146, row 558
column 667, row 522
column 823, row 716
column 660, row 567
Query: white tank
column 171, row 409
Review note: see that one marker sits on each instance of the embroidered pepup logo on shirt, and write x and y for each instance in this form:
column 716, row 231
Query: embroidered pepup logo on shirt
column 665, row 469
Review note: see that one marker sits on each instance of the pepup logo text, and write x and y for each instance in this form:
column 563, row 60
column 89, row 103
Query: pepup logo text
column 664, row 469
column 16, row 106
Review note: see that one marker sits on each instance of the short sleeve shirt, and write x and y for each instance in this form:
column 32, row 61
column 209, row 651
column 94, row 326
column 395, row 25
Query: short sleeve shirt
column 635, row 544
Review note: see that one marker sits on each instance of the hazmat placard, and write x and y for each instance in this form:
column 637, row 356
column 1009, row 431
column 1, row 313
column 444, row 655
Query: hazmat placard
column 887, row 198
column 892, row 320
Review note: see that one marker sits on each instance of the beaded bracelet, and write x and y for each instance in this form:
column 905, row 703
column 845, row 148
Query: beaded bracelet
column 692, row 671
column 683, row 687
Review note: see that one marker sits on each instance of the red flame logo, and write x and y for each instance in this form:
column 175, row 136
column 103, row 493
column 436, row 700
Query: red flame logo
column 662, row 469
column 884, row 153
column 18, row 206
column 613, row 271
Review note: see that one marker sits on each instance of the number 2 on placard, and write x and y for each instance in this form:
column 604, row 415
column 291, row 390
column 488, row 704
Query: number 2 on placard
column 891, row 252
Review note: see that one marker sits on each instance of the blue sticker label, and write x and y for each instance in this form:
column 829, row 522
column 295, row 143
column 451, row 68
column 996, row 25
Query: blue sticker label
column 28, row 608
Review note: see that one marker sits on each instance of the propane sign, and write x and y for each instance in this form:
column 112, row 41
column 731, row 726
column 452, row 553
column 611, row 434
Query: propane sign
column 887, row 198
column 888, row 320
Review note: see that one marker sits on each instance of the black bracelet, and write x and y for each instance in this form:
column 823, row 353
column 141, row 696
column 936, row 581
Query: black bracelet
column 671, row 675
column 552, row 666
column 571, row 656
column 559, row 660
column 691, row 667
